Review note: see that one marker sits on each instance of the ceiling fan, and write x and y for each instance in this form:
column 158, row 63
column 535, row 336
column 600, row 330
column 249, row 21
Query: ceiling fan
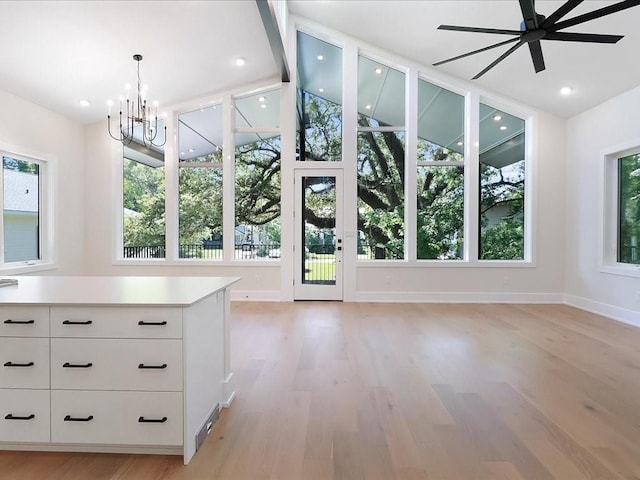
column 536, row 27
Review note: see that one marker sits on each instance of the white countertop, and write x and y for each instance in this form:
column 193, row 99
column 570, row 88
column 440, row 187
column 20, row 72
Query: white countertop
column 158, row 291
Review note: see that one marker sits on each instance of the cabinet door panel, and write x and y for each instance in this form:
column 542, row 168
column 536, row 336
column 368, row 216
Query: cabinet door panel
column 115, row 417
column 24, row 362
column 18, row 321
column 128, row 364
column 24, row 416
column 116, row 322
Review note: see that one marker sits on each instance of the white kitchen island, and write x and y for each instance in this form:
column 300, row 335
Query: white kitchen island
column 113, row 364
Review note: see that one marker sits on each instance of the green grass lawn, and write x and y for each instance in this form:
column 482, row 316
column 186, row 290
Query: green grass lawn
column 320, row 267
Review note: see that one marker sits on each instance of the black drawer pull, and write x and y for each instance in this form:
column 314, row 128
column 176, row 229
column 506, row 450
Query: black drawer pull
column 69, row 418
column 157, row 367
column 11, row 364
column 152, row 420
column 142, row 322
column 77, row 365
column 19, row 322
column 13, row 417
column 77, row 322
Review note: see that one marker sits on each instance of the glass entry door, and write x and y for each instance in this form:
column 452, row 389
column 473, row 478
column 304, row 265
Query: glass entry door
column 318, row 242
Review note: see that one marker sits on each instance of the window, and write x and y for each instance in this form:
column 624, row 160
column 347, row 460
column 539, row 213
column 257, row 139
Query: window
column 628, row 218
column 21, row 210
column 257, row 177
column 143, row 203
column 381, row 161
column 502, row 185
column 26, row 212
column 200, row 184
column 440, row 175
column 319, row 100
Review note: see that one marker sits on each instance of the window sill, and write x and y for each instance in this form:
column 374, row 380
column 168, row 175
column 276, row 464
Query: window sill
column 26, row 267
column 625, row 270
column 446, row 264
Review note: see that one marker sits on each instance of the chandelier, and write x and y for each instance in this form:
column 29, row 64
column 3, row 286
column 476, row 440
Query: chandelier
column 137, row 122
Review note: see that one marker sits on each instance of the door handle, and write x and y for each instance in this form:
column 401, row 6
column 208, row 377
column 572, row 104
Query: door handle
column 19, row 322
column 15, row 417
column 69, row 418
column 77, row 322
column 11, row 364
column 77, row 365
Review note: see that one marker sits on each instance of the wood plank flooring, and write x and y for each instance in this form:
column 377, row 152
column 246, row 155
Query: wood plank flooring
column 407, row 391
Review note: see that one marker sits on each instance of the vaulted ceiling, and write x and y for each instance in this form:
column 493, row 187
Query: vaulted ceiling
column 56, row 53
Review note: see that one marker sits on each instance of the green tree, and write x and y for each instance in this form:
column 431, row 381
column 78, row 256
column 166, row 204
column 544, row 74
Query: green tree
column 143, row 200
column 381, row 187
column 629, row 208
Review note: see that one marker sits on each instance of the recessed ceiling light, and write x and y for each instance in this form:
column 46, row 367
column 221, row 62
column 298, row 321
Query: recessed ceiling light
column 566, row 91
column 368, row 107
column 503, row 127
column 84, row 103
column 261, row 99
column 240, row 62
column 378, row 71
column 459, row 143
column 181, row 153
column 321, row 90
column 320, row 57
column 191, row 150
column 497, row 118
column 264, row 105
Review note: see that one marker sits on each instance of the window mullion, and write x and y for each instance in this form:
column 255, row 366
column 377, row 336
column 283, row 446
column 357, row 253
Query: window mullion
column 472, row 177
column 228, row 178
column 171, row 191
column 411, row 156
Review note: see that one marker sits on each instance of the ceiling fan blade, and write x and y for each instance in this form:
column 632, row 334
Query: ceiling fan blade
column 560, row 12
column 458, row 28
column 582, row 37
column 475, row 51
column 499, row 59
column 528, row 9
column 536, row 55
column 601, row 12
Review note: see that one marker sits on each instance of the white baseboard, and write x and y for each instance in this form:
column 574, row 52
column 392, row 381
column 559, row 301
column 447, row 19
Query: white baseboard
column 458, row 297
column 620, row 314
column 624, row 315
column 255, row 295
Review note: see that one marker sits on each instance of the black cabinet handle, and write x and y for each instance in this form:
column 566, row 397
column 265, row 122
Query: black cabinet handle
column 142, row 322
column 77, row 365
column 152, row 420
column 77, row 322
column 19, row 322
column 13, row 417
column 69, row 418
column 11, row 364
column 158, row 367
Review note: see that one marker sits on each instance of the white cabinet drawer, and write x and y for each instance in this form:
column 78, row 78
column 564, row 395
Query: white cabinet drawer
column 24, row 416
column 18, row 321
column 24, row 363
column 105, row 364
column 116, row 322
column 129, row 418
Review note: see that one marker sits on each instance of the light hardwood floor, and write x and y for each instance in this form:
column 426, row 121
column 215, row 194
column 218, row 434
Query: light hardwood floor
column 409, row 391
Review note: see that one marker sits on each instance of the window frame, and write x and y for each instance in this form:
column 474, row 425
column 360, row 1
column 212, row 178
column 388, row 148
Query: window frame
column 47, row 246
column 609, row 220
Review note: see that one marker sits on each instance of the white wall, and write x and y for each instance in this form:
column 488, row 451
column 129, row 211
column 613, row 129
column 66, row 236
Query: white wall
column 31, row 130
column 612, row 123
